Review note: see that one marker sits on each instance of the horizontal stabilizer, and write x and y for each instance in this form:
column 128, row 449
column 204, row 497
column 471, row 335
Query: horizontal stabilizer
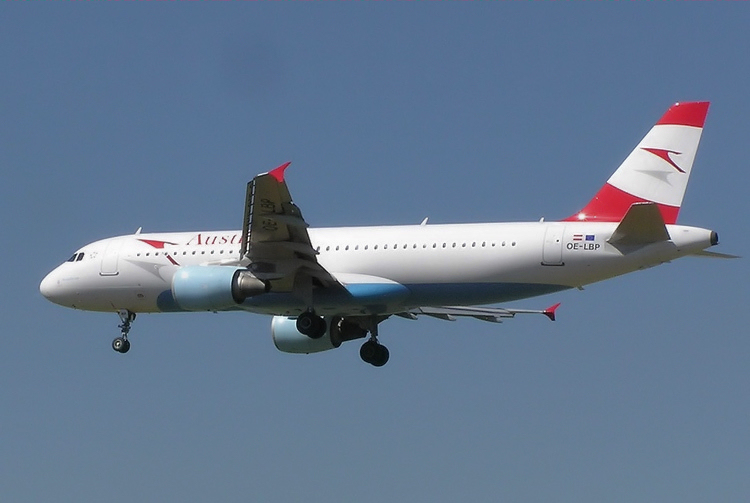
column 643, row 224
column 710, row 254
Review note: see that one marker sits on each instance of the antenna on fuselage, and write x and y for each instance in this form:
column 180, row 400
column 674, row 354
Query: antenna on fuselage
column 138, row 231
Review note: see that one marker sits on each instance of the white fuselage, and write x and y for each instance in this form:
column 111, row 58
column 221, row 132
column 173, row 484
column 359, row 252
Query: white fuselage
column 386, row 269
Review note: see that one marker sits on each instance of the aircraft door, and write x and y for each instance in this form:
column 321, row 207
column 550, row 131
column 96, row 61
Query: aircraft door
column 553, row 245
column 110, row 258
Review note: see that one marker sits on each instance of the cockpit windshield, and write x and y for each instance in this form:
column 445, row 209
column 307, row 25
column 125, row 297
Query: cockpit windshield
column 77, row 257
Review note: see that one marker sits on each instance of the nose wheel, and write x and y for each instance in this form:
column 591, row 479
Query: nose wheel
column 122, row 344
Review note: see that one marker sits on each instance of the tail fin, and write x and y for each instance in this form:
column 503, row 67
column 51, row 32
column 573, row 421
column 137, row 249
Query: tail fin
column 656, row 171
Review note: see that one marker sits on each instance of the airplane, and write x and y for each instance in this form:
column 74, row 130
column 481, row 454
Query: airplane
column 326, row 286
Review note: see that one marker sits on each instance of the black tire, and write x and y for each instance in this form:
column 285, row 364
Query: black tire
column 311, row 325
column 381, row 356
column 368, row 351
column 119, row 344
column 320, row 328
column 305, row 323
column 125, row 347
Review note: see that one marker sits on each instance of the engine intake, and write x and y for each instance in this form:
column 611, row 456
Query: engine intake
column 214, row 288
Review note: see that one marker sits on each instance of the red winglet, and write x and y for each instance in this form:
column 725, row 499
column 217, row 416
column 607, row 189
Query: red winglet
column 550, row 311
column 278, row 173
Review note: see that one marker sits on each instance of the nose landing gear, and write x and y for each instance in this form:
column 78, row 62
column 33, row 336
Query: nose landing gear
column 122, row 344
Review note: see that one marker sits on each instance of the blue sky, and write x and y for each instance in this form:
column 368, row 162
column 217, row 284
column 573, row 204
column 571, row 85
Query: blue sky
column 122, row 115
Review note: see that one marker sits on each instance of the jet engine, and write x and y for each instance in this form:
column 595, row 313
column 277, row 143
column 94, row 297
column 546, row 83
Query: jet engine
column 214, row 288
column 288, row 339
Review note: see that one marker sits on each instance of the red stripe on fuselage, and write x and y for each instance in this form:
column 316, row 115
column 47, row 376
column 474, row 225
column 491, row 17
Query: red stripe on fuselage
column 610, row 204
column 155, row 243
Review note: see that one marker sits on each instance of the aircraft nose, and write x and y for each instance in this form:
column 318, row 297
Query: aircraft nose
column 47, row 286
column 50, row 288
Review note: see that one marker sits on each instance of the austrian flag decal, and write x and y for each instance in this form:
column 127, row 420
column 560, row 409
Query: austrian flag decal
column 584, row 237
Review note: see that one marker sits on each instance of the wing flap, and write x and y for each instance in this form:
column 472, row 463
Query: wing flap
column 490, row 314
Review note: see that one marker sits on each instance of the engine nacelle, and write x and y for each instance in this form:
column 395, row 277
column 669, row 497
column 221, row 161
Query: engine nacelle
column 288, row 339
column 214, row 288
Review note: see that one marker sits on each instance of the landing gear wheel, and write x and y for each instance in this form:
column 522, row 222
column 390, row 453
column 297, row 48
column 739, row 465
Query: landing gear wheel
column 367, row 351
column 311, row 325
column 374, row 353
column 121, row 345
column 381, row 356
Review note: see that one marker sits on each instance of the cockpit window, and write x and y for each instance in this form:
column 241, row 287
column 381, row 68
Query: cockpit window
column 77, row 257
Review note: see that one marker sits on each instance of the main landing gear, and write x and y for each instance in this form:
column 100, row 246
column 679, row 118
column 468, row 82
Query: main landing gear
column 372, row 351
column 311, row 325
column 122, row 344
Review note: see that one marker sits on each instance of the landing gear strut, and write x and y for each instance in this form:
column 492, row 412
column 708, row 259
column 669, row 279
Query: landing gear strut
column 372, row 351
column 122, row 344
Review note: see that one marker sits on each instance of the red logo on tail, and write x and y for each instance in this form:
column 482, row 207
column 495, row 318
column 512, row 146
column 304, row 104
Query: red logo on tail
column 662, row 153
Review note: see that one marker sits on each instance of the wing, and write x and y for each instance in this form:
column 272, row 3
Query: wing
column 492, row 314
column 275, row 239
